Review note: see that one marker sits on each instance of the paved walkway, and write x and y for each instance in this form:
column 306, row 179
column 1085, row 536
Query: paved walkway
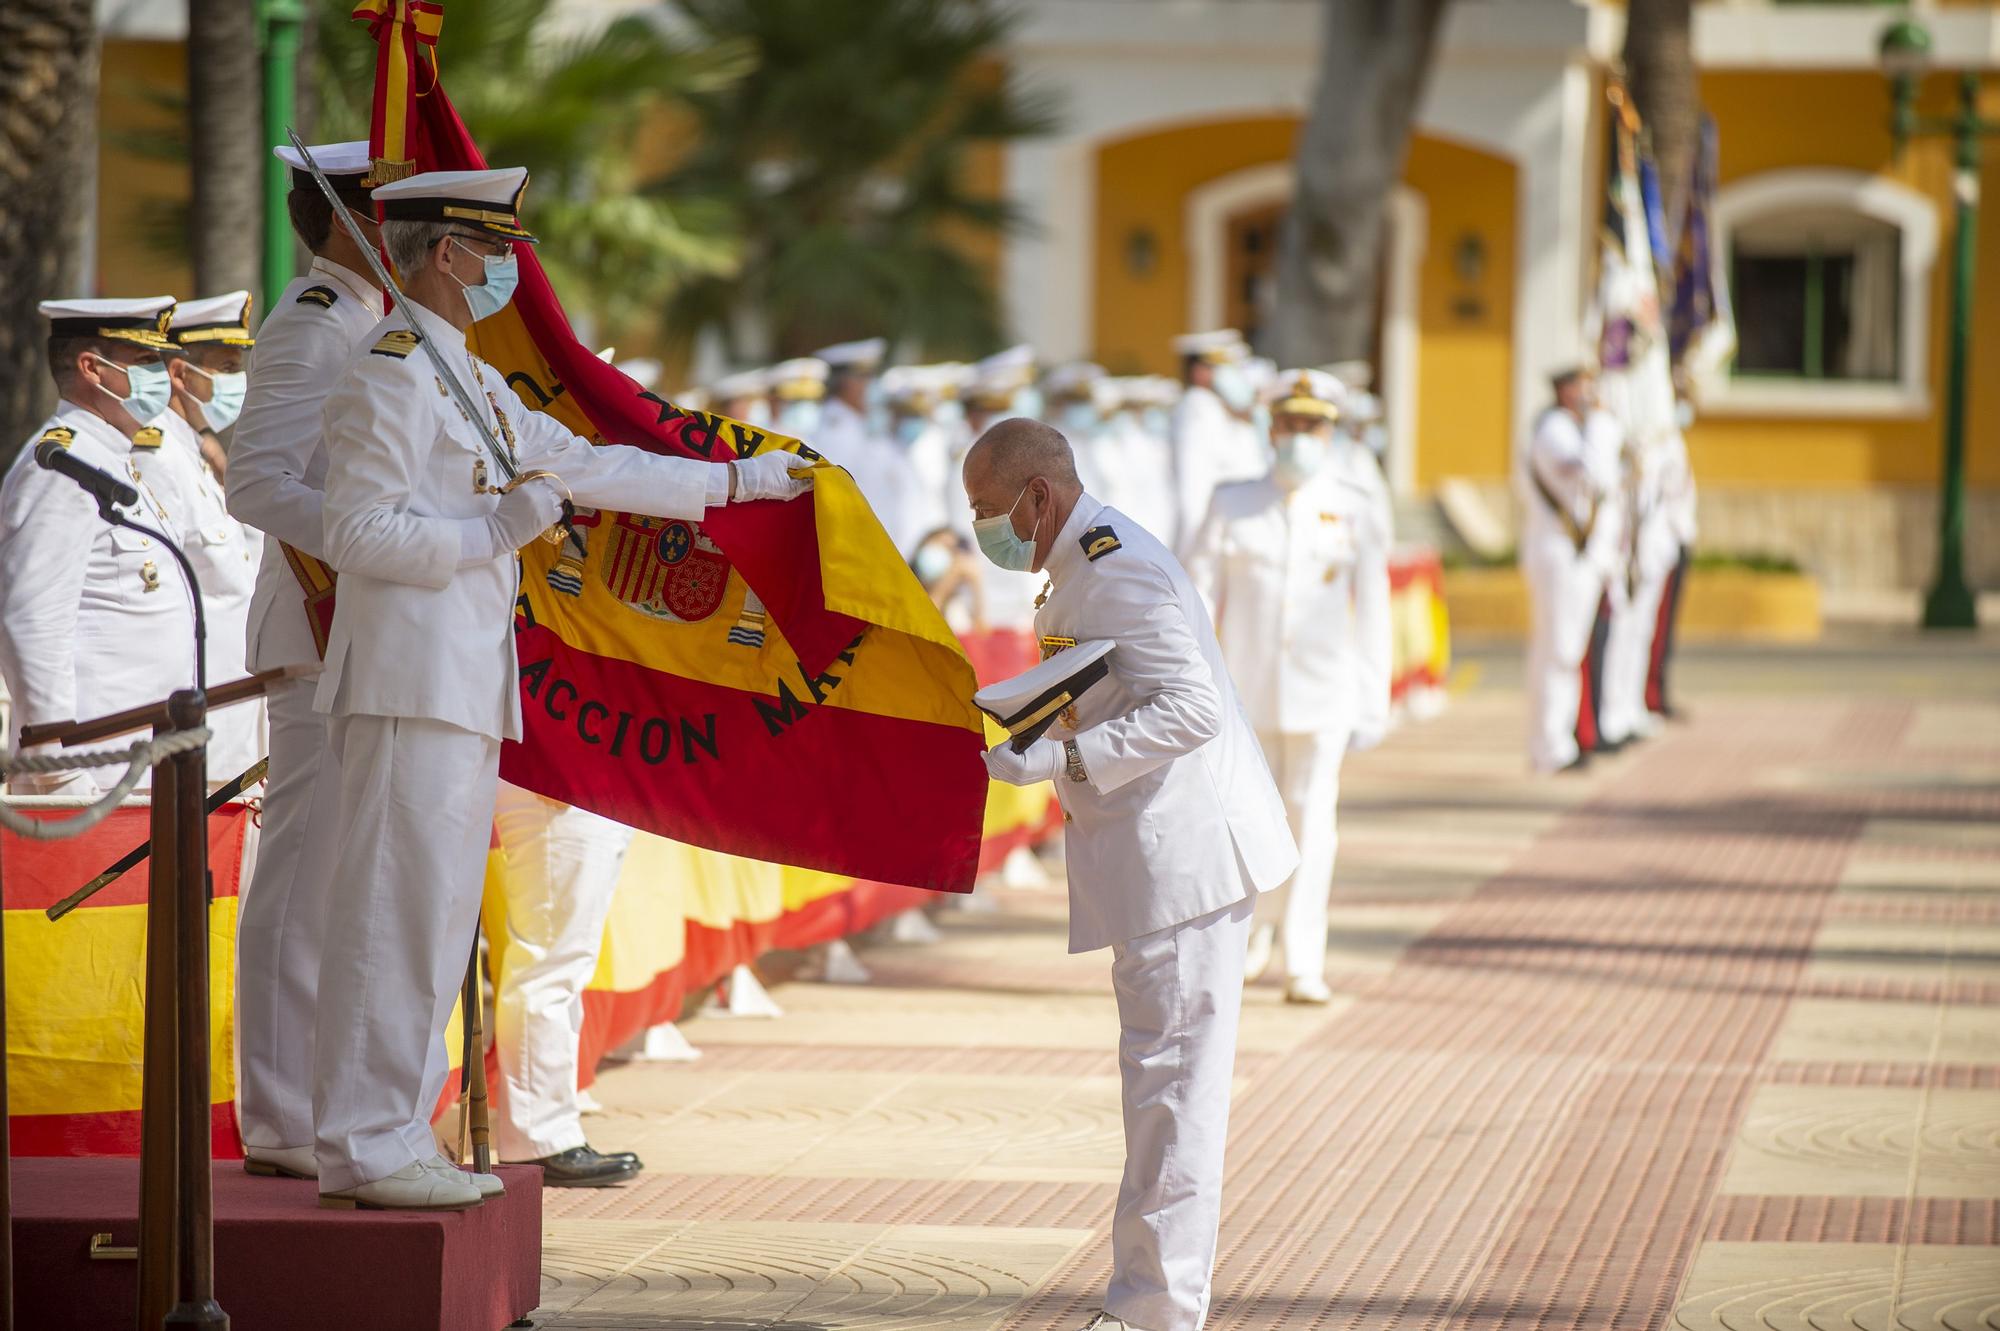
column 1708, row 1037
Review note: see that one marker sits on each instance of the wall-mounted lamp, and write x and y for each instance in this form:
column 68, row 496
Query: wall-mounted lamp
column 1142, row 252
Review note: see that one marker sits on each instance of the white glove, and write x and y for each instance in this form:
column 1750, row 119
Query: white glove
column 1364, row 739
column 523, row 514
column 769, row 476
column 1043, row 761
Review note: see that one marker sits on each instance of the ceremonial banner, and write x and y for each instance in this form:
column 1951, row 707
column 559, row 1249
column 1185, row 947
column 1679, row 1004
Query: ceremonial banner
column 1702, row 323
column 771, row 681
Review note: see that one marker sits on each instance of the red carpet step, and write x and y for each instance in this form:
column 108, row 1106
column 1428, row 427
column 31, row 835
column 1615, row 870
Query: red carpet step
column 281, row 1262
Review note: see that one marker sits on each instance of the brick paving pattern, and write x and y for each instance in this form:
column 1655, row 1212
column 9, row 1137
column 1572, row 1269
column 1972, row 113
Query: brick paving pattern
column 1708, row 1037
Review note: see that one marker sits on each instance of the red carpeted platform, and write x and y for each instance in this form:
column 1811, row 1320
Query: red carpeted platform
column 281, row 1262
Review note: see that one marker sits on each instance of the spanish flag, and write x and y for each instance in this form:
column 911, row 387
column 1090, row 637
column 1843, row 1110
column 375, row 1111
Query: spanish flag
column 772, row 681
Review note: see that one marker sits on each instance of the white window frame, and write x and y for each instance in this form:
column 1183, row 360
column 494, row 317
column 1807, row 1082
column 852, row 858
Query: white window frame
column 1827, row 190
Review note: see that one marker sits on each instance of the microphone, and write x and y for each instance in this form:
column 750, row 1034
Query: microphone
column 101, row 485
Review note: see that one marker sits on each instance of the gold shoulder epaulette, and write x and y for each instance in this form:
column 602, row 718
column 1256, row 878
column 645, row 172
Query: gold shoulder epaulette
column 320, row 296
column 397, row 342
column 1098, row 542
column 149, row 436
column 59, row 434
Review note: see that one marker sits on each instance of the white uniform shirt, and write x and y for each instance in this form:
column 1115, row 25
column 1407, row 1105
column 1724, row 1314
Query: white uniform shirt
column 878, row 466
column 1138, row 470
column 224, row 554
column 1180, row 816
column 277, row 465
column 1558, row 458
column 93, row 618
column 418, row 630
column 934, row 486
column 1298, row 584
column 1604, row 456
column 1211, row 447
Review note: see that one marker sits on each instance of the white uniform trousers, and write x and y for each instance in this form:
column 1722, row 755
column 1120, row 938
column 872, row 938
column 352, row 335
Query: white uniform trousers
column 1563, row 592
column 1628, row 655
column 416, row 820
column 280, row 921
column 1180, row 991
column 1307, row 770
column 562, row 867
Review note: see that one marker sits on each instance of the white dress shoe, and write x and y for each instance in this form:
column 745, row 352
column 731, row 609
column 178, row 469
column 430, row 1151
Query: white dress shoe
column 1308, row 989
column 1106, row 1322
column 414, row 1187
column 280, row 1162
column 489, row 1185
column 1257, row 957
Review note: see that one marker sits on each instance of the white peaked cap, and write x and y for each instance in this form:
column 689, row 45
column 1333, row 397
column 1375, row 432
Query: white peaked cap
column 1308, row 393
column 140, row 319
column 1072, row 378
column 1217, row 345
column 641, row 371
column 335, row 159
column 488, row 201
column 744, row 383
column 864, row 355
column 1261, row 371
column 802, row 377
column 224, row 319
column 1107, row 394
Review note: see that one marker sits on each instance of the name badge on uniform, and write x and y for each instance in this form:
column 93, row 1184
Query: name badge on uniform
column 149, row 576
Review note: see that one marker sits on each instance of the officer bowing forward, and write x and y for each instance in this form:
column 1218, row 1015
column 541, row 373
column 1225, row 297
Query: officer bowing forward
column 1175, row 826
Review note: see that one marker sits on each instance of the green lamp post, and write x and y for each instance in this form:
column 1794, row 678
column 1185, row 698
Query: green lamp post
column 281, row 20
column 1906, row 56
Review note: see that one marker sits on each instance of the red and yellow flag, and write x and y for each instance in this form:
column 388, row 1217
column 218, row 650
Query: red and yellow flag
column 771, row 681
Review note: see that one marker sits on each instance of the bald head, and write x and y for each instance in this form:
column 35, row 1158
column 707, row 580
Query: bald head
column 1024, row 469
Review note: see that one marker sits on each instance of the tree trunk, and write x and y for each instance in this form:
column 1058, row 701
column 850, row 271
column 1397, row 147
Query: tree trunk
column 1660, row 74
column 48, row 97
column 225, row 132
column 1374, row 58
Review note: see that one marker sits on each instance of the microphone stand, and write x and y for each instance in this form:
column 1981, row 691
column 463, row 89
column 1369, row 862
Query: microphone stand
column 111, row 515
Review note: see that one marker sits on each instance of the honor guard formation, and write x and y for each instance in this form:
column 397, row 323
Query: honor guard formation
column 1204, row 563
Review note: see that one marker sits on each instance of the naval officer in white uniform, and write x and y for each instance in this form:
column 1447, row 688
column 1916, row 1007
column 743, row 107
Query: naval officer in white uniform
column 277, row 471
column 211, row 338
column 1295, row 568
column 420, row 672
column 93, row 618
column 1174, row 826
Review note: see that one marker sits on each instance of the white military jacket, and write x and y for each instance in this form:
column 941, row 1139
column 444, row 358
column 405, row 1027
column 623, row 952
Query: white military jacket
column 224, row 554
column 1180, row 816
column 418, row 629
column 93, row 618
column 277, row 464
column 1298, row 583
column 1211, row 447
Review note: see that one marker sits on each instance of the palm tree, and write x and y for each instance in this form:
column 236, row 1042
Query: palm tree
column 1660, row 73
column 844, row 165
column 48, row 154
column 226, row 145
column 1375, row 56
column 567, row 107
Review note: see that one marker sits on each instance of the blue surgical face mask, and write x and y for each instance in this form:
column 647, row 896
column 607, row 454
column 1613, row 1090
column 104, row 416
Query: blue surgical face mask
column 503, row 274
column 1300, row 455
column 1233, row 386
column 908, row 428
column 148, row 390
column 226, row 402
column 798, row 418
column 1078, row 419
column 999, row 543
column 932, row 562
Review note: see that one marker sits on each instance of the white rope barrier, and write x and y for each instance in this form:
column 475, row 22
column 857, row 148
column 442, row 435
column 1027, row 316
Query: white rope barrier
column 138, row 757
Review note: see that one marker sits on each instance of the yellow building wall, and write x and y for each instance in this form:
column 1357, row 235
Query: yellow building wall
column 141, row 197
column 1780, row 121
column 1466, row 294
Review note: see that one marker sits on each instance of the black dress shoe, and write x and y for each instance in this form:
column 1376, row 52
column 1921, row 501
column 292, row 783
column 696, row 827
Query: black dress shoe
column 583, row 1167
column 1580, row 763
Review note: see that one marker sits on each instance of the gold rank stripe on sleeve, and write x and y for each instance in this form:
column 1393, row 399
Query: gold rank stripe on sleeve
column 322, row 296
column 397, row 342
column 149, row 437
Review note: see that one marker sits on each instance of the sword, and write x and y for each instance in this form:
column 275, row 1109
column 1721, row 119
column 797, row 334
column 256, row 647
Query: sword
column 446, row 375
column 132, row 858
